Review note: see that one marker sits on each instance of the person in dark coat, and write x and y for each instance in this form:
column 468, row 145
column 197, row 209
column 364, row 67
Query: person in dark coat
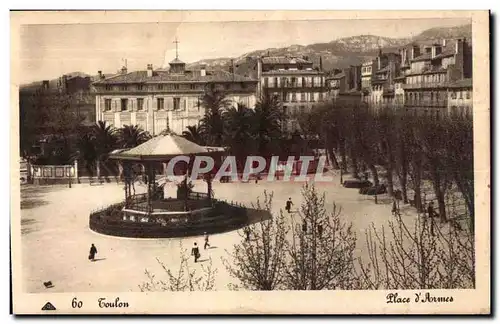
column 206, row 241
column 304, row 226
column 195, row 252
column 320, row 230
column 288, row 205
column 247, row 234
column 92, row 252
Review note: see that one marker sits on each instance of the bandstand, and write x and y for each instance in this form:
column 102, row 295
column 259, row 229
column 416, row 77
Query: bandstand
column 151, row 214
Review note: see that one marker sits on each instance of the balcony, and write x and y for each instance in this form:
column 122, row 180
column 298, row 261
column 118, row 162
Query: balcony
column 424, row 85
column 426, row 103
column 293, row 85
column 388, row 91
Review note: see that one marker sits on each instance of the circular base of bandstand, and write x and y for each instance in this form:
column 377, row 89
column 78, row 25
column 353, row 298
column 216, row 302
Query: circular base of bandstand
column 119, row 221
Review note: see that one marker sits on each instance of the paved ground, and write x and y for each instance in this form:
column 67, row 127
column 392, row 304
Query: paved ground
column 56, row 237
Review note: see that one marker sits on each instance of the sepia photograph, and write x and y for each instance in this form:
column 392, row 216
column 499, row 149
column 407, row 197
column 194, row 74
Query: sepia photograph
column 250, row 162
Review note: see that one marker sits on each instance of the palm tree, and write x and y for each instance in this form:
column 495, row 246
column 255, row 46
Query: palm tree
column 268, row 120
column 214, row 101
column 132, row 135
column 87, row 153
column 239, row 131
column 105, row 141
column 193, row 134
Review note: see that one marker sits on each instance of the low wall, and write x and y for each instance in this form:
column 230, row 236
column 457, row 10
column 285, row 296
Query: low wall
column 223, row 217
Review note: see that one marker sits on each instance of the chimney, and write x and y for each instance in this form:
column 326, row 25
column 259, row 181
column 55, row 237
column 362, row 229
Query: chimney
column 124, row 70
column 321, row 63
column 150, row 70
column 433, row 51
column 458, row 45
column 100, row 74
column 444, row 42
column 203, row 70
column 231, row 67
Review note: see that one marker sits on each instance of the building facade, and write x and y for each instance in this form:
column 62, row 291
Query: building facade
column 161, row 99
column 295, row 82
column 430, row 78
column 433, row 71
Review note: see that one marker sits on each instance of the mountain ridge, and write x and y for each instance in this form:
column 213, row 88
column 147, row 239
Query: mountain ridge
column 345, row 51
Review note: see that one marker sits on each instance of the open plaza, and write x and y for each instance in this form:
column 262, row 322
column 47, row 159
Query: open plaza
column 56, row 235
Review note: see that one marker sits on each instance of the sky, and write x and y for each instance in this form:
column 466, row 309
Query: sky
column 48, row 51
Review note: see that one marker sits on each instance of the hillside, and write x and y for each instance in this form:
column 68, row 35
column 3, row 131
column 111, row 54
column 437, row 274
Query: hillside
column 342, row 52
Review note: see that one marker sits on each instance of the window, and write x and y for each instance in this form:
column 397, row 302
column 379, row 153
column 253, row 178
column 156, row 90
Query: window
column 294, row 82
column 227, row 86
column 109, row 87
column 107, row 104
column 160, row 103
column 243, row 85
column 460, row 95
column 123, row 88
column 302, row 96
column 294, row 97
column 312, row 96
column 176, row 87
column 432, row 96
column 160, row 87
column 177, row 103
column 140, row 87
column 453, row 95
column 193, row 86
column 321, row 96
column 467, row 94
column 285, row 110
column 285, row 96
column 140, row 103
column 124, row 104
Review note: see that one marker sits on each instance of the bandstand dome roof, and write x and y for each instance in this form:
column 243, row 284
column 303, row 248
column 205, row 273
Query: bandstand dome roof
column 161, row 147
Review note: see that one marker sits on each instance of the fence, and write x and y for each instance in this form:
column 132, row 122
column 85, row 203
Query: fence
column 54, row 174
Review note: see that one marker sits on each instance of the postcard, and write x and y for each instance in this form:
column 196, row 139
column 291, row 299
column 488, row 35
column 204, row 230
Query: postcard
column 250, row 162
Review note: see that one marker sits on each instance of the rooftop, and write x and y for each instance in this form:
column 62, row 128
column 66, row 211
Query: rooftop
column 161, row 76
column 284, row 60
column 308, row 72
column 337, row 76
column 463, row 83
column 176, row 61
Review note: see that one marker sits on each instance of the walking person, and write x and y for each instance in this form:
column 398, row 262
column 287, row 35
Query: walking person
column 395, row 210
column 304, row 226
column 247, row 234
column 92, row 252
column 195, row 252
column 206, row 241
column 288, row 205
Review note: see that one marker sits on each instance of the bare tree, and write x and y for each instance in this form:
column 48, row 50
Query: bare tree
column 184, row 278
column 320, row 253
column 423, row 257
column 258, row 260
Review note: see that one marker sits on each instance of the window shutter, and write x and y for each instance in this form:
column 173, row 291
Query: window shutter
column 103, row 104
column 115, row 106
column 133, row 104
column 155, row 104
column 169, row 103
column 184, row 103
